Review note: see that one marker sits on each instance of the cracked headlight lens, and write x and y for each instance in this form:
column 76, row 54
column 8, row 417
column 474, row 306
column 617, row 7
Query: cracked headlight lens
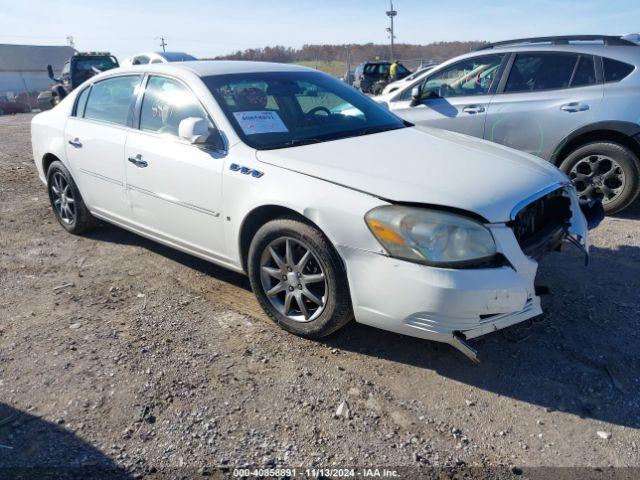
column 432, row 237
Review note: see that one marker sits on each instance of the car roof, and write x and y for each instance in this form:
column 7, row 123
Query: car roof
column 205, row 68
column 629, row 53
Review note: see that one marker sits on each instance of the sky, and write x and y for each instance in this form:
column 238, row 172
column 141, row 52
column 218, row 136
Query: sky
column 215, row 27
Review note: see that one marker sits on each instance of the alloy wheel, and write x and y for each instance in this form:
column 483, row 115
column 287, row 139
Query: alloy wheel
column 598, row 176
column 293, row 279
column 62, row 197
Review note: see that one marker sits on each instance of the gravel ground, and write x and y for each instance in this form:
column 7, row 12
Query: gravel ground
column 120, row 353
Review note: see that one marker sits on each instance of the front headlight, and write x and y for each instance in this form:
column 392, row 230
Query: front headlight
column 431, row 237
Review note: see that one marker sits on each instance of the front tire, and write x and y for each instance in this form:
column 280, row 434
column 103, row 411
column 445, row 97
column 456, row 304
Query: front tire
column 299, row 279
column 66, row 201
column 606, row 171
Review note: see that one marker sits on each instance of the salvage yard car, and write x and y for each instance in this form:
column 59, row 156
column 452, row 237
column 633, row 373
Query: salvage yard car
column 332, row 216
column 572, row 100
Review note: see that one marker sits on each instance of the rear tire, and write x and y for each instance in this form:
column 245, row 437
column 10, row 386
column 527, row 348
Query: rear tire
column 66, row 201
column 607, row 171
column 271, row 269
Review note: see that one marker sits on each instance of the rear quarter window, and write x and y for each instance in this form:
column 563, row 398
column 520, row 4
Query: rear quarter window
column 615, row 70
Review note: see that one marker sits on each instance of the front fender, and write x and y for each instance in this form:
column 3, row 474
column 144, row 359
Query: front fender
column 336, row 210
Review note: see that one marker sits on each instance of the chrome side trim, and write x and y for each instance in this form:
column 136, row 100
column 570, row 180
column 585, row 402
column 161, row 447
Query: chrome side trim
column 174, row 201
column 545, row 191
column 101, row 177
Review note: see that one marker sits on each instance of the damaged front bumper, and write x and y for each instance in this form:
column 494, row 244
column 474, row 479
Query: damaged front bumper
column 453, row 305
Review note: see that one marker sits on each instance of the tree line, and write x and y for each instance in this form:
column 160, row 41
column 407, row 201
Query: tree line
column 437, row 52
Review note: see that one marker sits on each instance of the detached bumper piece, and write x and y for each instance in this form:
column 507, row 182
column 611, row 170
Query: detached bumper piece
column 593, row 212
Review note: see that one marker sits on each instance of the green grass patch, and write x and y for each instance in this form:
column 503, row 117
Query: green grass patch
column 334, row 67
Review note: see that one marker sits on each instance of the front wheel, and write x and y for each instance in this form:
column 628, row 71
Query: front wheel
column 299, row 278
column 605, row 171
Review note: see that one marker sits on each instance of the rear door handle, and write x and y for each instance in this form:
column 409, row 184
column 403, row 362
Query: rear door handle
column 574, row 107
column 138, row 161
column 473, row 109
column 75, row 143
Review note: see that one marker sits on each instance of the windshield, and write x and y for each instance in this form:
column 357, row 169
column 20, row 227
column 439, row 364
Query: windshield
column 285, row 109
column 101, row 63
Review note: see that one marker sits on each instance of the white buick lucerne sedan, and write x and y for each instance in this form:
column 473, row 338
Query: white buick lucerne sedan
column 334, row 207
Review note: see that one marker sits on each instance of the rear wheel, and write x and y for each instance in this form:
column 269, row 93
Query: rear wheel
column 606, row 171
column 66, row 201
column 299, row 278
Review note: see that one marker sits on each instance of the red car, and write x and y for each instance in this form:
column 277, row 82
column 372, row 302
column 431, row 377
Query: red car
column 8, row 108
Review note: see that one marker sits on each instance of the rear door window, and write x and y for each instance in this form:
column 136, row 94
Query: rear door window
column 614, row 70
column 585, row 72
column 110, row 100
column 541, row 71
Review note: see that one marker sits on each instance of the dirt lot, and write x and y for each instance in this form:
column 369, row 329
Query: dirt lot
column 117, row 352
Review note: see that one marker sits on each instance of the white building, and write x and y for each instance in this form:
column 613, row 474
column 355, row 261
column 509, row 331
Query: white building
column 23, row 68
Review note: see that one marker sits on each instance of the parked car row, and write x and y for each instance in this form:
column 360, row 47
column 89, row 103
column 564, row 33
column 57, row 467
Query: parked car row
column 372, row 77
column 333, row 206
column 570, row 100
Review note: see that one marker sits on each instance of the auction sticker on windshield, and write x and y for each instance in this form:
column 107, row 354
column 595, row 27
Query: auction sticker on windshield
column 253, row 123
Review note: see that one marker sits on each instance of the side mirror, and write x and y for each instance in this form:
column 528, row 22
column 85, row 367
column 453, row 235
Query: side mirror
column 50, row 73
column 416, row 95
column 196, row 130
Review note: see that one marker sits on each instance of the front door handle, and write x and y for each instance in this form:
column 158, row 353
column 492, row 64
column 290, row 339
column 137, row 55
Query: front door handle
column 75, row 143
column 473, row 109
column 138, row 161
column 574, row 107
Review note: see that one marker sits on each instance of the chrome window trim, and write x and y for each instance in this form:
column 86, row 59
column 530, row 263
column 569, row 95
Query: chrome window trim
column 90, row 85
column 137, row 105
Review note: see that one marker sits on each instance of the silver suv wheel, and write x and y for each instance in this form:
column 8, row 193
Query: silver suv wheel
column 598, row 176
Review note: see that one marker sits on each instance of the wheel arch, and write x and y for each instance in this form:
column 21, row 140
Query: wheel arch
column 47, row 160
column 257, row 217
column 624, row 133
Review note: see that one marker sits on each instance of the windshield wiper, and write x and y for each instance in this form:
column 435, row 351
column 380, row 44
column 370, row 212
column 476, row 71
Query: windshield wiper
column 303, row 141
column 378, row 129
column 295, row 142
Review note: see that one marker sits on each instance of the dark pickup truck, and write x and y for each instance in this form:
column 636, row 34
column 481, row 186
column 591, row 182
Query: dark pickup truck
column 76, row 70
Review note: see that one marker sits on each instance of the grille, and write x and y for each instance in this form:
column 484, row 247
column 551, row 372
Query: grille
column 540, row 226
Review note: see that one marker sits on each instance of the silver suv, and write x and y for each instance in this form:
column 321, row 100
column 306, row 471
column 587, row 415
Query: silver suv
column 572, row 100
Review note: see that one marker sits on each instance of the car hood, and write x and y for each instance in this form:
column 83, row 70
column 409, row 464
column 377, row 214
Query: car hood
column 426, row 166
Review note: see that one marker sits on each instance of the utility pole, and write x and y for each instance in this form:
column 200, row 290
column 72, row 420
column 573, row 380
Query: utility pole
column 391, row 13
column 348, row 59
column 70, row 41
column 163, row 44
